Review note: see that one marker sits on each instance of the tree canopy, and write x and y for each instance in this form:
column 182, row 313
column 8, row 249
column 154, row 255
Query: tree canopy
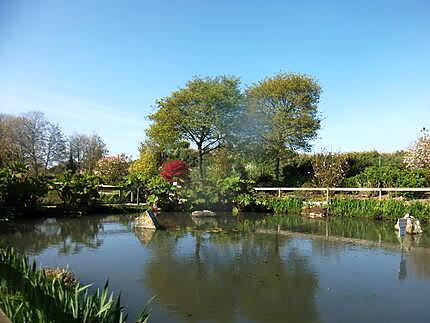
column 203, row 113
column 285, row 110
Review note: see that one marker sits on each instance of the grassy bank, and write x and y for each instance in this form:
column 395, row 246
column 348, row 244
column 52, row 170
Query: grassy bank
column 29, row 294
column 281, row 205
column 388, row 209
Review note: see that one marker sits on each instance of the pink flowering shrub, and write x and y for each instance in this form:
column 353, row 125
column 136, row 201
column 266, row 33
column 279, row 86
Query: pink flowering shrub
column 329, row 169
column 113, row 169
column 418, row 156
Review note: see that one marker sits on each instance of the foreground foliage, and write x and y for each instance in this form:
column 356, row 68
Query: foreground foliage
column 29, row 295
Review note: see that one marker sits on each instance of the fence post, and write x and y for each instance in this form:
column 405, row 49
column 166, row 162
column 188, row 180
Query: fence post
column 327, row 195
column 279, row 192
column 380, row 193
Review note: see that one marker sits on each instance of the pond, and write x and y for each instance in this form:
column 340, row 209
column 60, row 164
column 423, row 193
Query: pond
column 302, row 271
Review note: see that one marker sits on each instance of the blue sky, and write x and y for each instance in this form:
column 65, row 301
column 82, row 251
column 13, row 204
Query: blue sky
column 99, row 66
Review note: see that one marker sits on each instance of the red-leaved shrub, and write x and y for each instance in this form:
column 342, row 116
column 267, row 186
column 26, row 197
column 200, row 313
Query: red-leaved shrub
column 174, row 170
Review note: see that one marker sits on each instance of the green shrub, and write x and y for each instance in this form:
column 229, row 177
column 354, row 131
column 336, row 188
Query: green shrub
column 19, row 188
column 359, row 161
column 388, row 176
column 298, row 171
column 232, row 191
column 154, row 189
column 110, row 198
column 77, row 190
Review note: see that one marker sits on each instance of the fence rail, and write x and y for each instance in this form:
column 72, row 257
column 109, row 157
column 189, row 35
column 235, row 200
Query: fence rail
column 327, row 190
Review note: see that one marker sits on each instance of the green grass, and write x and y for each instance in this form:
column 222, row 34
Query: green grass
column 28, row 295
column 281, row 205
column 389, row 209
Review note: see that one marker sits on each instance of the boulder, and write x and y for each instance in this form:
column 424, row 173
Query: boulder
column 412, row 225
column 315, row 212
column 147, row 220
column 203, row 213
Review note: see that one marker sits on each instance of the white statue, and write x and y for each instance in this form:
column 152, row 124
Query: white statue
column 412, row 225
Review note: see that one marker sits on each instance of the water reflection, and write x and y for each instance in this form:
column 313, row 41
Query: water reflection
column 228, row 276
column 326, row 271
column 69, row 235
column 374, row 232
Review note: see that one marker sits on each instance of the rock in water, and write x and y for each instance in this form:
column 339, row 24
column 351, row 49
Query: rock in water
column 315, row 212
column 412, row 225
column 147, row 221
column 203, row 213
column 144, row 235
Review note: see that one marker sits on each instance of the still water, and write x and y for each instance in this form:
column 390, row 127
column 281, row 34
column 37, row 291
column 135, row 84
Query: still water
column 309, row 271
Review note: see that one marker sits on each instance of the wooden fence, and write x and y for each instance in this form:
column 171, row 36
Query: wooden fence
column 327, row 190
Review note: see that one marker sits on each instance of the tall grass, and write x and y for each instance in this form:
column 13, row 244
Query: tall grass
column 389, row 209
column 28, row 295
column 281, row 205
column 379, row 209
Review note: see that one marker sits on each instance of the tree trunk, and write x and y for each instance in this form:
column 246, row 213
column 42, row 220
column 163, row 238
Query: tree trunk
column 201, row 165
column 277, row 168
column 200, row 161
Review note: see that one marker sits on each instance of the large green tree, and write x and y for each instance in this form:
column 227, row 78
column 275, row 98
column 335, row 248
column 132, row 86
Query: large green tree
column 204, row 113
column 284, row 111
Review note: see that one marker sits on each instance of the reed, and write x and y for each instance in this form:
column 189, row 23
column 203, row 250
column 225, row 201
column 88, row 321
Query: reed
column 281, row 205
column 389, row 209
column 30, row 295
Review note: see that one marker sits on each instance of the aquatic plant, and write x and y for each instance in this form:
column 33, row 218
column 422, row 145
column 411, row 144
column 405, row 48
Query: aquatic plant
column 281, row 205
column 378, row 209
column 30, row 295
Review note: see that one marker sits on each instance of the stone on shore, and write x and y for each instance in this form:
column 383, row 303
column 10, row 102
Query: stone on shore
column 203, row 213
column 147, row 220
column 315, row 212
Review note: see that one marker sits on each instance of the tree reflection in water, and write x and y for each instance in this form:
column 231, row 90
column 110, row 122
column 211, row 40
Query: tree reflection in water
column 227, row 278
column 68, row 235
